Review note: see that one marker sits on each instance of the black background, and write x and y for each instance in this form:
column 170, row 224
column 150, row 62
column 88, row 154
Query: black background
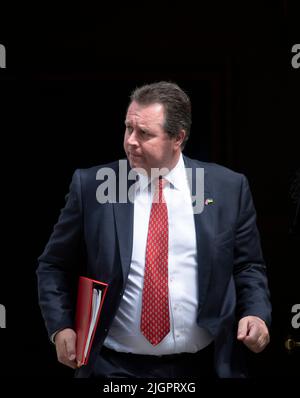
column 64, row 95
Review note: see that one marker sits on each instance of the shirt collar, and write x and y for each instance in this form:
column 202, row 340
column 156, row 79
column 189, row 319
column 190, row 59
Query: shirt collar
column 176, row 177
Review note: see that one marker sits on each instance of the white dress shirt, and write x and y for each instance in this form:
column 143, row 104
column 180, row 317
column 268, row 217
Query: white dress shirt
column 185, row 335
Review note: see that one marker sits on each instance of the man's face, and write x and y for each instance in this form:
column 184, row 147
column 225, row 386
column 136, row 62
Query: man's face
column 146, row 143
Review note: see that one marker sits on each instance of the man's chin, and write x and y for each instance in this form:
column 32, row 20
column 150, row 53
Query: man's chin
column 139, row 169
column 134, row 161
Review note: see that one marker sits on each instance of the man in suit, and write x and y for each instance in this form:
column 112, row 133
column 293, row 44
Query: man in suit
column 208, row 300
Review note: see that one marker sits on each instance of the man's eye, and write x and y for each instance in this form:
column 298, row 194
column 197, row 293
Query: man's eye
column 145, row 133
column 129, row 129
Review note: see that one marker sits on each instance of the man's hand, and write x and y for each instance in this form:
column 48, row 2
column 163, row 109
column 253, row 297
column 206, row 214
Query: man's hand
column 65, row 343
column 253, row 332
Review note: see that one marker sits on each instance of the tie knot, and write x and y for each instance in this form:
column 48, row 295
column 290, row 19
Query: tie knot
column 160, row 183
column 158, row 196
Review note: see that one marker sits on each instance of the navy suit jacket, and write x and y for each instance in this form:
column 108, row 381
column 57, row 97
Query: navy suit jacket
column 95, row 240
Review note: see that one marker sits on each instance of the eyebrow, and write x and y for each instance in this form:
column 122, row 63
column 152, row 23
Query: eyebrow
column 127, row 123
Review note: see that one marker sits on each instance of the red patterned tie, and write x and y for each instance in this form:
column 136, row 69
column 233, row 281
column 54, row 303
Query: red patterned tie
column 155, row 318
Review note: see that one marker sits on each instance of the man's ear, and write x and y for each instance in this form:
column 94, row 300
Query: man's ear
column 179, row 139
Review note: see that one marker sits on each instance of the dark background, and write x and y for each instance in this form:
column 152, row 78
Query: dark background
column 64, row 95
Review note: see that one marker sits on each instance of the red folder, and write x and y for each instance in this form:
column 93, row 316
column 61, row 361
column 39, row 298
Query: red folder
column 90, row 298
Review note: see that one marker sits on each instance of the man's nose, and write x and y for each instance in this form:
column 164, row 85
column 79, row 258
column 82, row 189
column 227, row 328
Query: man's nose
column 132, row 139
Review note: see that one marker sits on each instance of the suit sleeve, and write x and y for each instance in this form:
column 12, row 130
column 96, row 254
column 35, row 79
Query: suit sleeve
column 59, row 264
column 253, row 296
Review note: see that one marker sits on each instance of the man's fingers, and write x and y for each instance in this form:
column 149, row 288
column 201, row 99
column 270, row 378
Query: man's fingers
column 256, row 335
column 70, row 343
column 256, row 346
column 65, row 342
column 65, row 358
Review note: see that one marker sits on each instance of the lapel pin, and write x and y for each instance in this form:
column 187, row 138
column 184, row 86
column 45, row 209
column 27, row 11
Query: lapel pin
column 209, row 201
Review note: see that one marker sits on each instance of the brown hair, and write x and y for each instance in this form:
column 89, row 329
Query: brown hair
column 176, row 103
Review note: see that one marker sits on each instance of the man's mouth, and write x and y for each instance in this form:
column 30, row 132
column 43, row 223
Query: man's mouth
column 134, row 155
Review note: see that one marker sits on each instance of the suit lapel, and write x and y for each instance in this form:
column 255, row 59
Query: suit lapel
column 123, row 213
column 205, row 232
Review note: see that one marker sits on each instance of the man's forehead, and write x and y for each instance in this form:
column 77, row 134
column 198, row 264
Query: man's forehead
column 153, row 112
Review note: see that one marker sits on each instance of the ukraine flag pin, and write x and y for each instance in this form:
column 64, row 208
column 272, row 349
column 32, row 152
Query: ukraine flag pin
column 209, row 201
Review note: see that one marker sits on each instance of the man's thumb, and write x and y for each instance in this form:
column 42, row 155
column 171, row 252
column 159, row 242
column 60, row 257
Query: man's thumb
column 242, row 329
column 70, row 346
